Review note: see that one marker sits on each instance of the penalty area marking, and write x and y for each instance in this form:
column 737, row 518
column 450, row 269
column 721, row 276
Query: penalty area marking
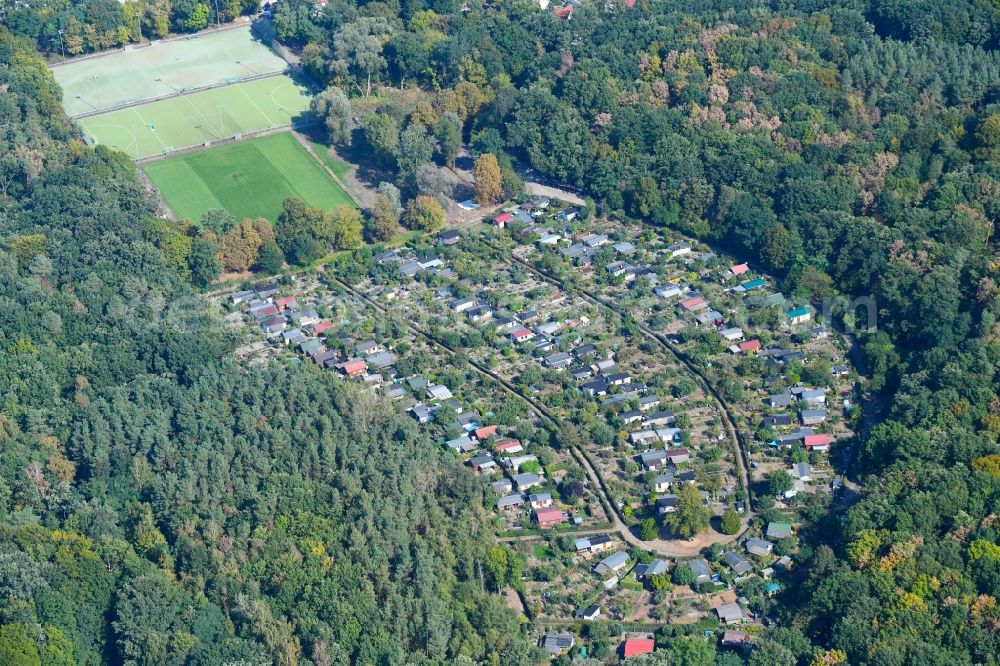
column 128, row 132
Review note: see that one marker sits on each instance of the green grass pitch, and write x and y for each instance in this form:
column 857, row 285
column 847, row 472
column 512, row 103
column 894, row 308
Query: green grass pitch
column 162, row 68
column 249, row 179
column 191, row 120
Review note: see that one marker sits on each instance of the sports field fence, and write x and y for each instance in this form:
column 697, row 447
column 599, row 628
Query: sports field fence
column 179, row 93
column 241, row 23
column 245, row 136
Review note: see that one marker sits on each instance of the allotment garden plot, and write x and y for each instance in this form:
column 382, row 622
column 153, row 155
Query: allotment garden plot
column 207, row 116
column 135, row 75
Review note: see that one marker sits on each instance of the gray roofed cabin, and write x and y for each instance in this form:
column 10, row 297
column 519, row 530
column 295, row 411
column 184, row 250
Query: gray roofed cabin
column 653, row 459
column 612, row 563
column 449, row 237
column 594, row 543
column 702, row 572
column 813, row 396
column 381, row 360
column 780, row 400
column 559, row 360
column 366, row 347
column 655, row 568
column 510, row 502
column 649, row 402
column 730, row 614
column 737, row 564
column 421, row 412
column 666, row 504
column 463, row 444
column 557, row 643
column 812, row 416
column 663, row 482
column 526, row 480
column 759, row 547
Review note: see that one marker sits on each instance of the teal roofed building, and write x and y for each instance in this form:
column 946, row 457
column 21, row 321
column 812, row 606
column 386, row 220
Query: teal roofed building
column 799, row 316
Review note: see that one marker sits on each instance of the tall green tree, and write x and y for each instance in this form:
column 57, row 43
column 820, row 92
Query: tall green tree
column 692, row 515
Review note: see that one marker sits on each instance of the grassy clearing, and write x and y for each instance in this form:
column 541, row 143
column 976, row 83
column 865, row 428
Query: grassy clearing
column 339, row 167
column 249, row 179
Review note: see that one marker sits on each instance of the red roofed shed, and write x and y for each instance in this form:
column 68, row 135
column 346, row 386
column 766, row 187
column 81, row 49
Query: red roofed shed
column 819, row 442
column 693, row 303
column 634, row 646
column 285, row 302
column 355, row 368
column 485, row 431
column 549, row 517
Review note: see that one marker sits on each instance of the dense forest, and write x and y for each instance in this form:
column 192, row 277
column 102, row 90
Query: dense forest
column 849, row 147
column 156, row 505
column 160, row 504
column 74, row 27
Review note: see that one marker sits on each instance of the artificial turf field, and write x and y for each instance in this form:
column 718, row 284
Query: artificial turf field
column 209, row 115
column 249, row 179
column 134, row 75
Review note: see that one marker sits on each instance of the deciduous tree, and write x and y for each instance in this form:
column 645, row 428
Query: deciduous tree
column 692, row 515
column 383, row 219
column 730, row 522
column 334, row 109
column 425, row 213
column 449, row 136
column 779, row 482
column 489, row 183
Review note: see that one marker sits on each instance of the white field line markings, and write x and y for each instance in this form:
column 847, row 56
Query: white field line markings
column 261, row 111
column 147, row 127
column 218, row 134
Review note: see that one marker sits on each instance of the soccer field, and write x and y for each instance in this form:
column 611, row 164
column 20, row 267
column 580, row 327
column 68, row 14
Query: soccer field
column 163, row 68
column 191, row 120
column 249, row 179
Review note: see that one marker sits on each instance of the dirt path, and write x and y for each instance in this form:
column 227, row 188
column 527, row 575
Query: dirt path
column 514, row 602
column 666, row 548
column 543, row 537
column 361, row 196
column 734, row 435
column 539, row 190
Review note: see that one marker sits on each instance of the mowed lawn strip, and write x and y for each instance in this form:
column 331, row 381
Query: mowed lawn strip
column 249, row 179
column 189, row 193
